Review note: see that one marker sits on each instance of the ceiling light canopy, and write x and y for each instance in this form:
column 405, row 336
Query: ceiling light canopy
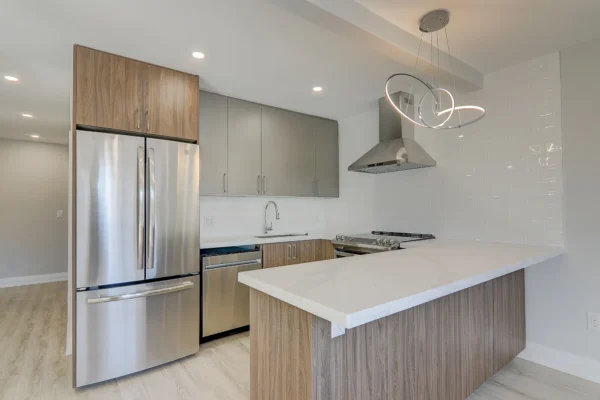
column 11, row 78
column 34, row 135
column 435, row 105
column 26, row 115
column 197, row 54
column 317, row 89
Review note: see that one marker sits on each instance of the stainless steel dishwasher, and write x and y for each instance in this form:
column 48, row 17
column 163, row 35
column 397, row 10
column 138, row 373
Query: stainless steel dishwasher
column 225, row 301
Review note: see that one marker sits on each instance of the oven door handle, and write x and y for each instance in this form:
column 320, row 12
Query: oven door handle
column 343, row 254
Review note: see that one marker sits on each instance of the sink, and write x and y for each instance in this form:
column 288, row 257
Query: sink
column 280, row 236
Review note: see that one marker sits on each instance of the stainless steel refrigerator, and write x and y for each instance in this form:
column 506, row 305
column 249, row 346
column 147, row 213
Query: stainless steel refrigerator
column 138, row 288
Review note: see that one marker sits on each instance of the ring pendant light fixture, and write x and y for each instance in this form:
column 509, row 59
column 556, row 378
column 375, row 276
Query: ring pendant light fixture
column 434, row 22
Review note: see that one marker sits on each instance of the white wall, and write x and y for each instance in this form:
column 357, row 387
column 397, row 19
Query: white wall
column 33, row 186
column 560, row 296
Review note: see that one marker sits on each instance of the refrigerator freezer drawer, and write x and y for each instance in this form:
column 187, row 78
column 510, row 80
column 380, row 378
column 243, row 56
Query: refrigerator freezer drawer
column 131, row 328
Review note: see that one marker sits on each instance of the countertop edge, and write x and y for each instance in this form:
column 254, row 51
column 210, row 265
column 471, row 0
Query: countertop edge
column 250, row 240
column 349, row 321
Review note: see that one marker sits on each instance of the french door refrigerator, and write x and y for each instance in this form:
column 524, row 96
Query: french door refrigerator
column 138, row 288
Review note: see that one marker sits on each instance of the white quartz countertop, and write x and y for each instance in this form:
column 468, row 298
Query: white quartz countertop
column 246, row 240
column 356, row 290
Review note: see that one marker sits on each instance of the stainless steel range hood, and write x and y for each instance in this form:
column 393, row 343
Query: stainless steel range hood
column 395, row 151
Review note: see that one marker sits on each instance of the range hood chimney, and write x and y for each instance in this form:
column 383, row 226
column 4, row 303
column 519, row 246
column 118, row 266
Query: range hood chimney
column 395, row 151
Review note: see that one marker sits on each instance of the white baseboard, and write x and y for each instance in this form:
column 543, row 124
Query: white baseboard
column 563, row 361
column 32, row 279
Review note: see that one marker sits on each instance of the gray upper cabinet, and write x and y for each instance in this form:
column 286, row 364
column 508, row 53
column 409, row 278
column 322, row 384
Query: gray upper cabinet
column 327, row 159
column 253, row 150
column 244, row 148
column 277, row 150
column 302, row 157
column 213, row 143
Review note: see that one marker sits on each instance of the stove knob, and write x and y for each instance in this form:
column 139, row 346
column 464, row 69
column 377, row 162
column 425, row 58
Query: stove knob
column 393, row 242
column 379, row 242
column 385, row 242
column 341, row 238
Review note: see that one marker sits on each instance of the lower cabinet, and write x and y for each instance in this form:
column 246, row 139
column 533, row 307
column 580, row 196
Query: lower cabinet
column 289, row 253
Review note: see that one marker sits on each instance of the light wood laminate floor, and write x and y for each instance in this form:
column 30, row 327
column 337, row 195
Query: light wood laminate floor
column 33, row 364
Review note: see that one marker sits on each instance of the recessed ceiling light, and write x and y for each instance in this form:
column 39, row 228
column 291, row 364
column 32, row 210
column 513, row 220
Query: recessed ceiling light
column 198, row 54
column 11, row 78
column 27, row 115
column 33, row 135
column 317, row 89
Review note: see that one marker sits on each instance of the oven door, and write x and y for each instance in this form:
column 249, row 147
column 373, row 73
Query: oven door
column 346, row 252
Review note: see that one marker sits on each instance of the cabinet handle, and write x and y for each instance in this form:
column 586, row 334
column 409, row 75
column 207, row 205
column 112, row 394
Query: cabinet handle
column 289, row 251
column 148, row 118
column 258, row 184
column 264, row 185
column 224, row 183
column 294, row 251
column 137, row 115
column 317, row 187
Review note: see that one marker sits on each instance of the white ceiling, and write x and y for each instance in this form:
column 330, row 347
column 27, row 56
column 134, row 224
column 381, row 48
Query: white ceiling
column 494, row 34
column 268, row 51
column 271, row 52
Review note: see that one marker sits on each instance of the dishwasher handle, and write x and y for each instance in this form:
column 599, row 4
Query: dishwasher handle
column 233, row 264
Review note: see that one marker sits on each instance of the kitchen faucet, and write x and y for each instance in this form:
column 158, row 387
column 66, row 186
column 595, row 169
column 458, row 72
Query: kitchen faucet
column 269, row 227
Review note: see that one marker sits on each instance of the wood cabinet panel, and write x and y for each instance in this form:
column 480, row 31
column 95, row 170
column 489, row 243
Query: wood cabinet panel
column 307, row 251
column 276, row 255
column 324, row 250
column 171, row 106
column 118, row 93
column 109, row 90
column 290, row 253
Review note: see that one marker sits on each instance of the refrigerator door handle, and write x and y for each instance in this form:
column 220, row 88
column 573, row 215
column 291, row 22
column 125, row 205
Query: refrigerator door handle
column 141, row 223
column 151, row 209
column 154, row 292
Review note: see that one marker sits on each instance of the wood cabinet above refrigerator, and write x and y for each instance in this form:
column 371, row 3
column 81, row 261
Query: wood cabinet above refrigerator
column 119, row 94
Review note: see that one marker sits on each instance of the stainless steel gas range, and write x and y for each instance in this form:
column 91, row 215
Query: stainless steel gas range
column 374, row 242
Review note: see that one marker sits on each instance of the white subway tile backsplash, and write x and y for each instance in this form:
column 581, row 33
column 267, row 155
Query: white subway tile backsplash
column 499, row 179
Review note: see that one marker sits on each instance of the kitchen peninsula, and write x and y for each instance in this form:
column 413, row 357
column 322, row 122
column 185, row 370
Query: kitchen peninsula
column 433, row 321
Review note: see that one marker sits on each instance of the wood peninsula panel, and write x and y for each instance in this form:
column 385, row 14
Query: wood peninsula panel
column 476, row 319
column 444, row 349
column 509, row 318
column 281, row 370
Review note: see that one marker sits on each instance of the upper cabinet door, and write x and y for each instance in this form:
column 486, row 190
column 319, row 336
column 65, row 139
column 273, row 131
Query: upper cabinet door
column 277, row 151
column 243, row 144
column 109, row 90
column 213, row 144
column 328, row 173
column 171, row 104
column 302, row 155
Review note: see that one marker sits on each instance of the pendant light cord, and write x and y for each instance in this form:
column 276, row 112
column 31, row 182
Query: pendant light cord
column 416, row 62
column 451, row 74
